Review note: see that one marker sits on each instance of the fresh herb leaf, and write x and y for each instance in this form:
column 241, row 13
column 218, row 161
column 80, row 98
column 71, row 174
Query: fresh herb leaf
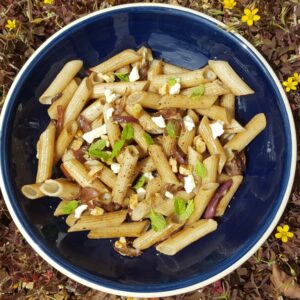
column 148, row 139
column 69, row 207
column 190, row 207
column 117, row 148
column 122, row 76
column 140, row 182
column 197, row 92
column 179, row 206
column 96, row 147
column 127, row 132
column 171, row 130
column 200, row 169
column 158, row 221
column 172, row 81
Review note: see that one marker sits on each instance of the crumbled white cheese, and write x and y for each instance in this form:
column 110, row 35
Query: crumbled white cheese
column 97, row 211
column 95, row 133
column 189, row 183
column 109, row 112
column 148, row 175
column 115, row 167
column 169, row 195
column 79, row 210
column 141, row 192
column 110, row 96
column 175, row 89
column 217, row 128
column 173, row 164
column 184, row 171
column 188, row 123
column 134, row 74
column 121, row 243
column 159, row 121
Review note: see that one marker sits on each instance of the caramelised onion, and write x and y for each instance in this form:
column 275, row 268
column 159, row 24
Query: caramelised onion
column 170, row 114
column 125, row 119
column 84, row 124
column 213, row 203
column 79, row 154
column 179, row 155
column 88, row 193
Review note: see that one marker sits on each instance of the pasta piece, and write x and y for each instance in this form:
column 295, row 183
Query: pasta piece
column 156, row 68
column 211, row 164
column 46, row 146
column 139, row 137
column 187, row 236
column 168, row 143
column 32, row 191
column 93, row 111
column 216, row 112
column 237, row 180
column 60, row 188
column 172, row 69
column 125, row 175
column 154, row 186
column 193, row 157
column 162, row 164
column 253, row 128
column 146, row 99
column 118, row 61
column 228, row 102
column 63, row 100
column 78, row 101
column 112, row 128
column 233, row 127
column 133, row 229
column 230, row 78
column 60, row 82
column 162, row 206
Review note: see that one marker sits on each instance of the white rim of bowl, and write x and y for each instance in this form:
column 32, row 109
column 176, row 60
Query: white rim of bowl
column 230, row 269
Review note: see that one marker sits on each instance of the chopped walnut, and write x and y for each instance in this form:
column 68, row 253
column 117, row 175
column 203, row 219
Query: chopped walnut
column 199, row 144
column 185, row 170
column 173, row 164
column 133, row 201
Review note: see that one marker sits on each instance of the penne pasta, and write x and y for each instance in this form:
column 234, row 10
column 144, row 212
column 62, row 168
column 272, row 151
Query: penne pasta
column 145, row 99
column 156, row 68
column 112, row 128
column 211, row 164
column 32, row 191
column 216, row 112
column 228, row 102
column 93, row 111
column 172, row 69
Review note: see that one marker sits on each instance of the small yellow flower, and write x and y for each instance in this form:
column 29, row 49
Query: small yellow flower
column 250, row 16
column 283, row 233
column 229, row 4
column 11, row 24
column 290, row 84
column 296, row 77
column 48, row 1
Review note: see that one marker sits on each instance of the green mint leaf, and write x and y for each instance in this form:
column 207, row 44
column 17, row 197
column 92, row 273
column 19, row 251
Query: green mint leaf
column 140, row 182
column 172, row 81
column 190, row 207
column 158, row 221
column 96, row 147
column 117, row 148
column 127, row 132
column 122, row 76
column 171, row 131
column 179, row 206
column 148, row 139
column 197, row 92
column 69, row 207
column 200, row 169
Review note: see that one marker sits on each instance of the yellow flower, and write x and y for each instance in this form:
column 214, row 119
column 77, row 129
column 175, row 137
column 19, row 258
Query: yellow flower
column 229, row 4
column 296, row 77
column 250, row 16
column 290, row 84
column 11, row 24
column 48, row 1
column 283, row 233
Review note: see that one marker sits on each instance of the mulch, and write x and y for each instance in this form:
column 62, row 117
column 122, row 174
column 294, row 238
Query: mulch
column 272, row 273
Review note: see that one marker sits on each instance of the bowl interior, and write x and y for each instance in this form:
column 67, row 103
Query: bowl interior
column 186, row 40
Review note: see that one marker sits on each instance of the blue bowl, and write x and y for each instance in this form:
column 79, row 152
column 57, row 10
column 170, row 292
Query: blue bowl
column 188, row 39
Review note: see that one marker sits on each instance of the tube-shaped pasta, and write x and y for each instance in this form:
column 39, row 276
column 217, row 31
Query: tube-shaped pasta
column 237, row 180
column 162, row 206
column 211, row 164
column 216, row 112
column 154, row 186
column 64, row 139
column 93, row 111
column 201, row 200
column 162, row 165
column 89, row 222
column 32, row 191
column 213, row 145
column 60, row 188
column 121, row 88
column 80, row 174
column 113, row 129
column 230, row 78
column 187, row 79
column 146, row 99
column 187, row 236
column 151, row 237
column 63, row 100
column 78, row 101
column 118, row 61
column 125, row 175
column 172, row 69
column 254, row 127
column 168, row 143
column 133, row 229
column 62, row 79
column 139, row 137
column 233, row 127
column 156, row 68
column 145, row 165
column 228, row 102
column 193, row 156
column 46, row 148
